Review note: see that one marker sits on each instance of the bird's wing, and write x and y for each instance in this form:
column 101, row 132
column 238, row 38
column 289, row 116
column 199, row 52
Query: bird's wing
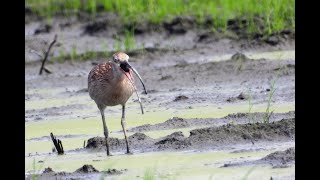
column 101, row 72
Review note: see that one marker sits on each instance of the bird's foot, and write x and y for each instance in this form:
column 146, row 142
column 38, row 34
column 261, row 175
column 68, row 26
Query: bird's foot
column 109, row 154
column 129, row 153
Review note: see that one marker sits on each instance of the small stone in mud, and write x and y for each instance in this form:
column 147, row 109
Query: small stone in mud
column 165, row 78
column 242, row 96
column 95, row 27
column 205, row 37
column 181, row 97
column 179, row 25
column 86, row 169
column 280, row 166
column 113, row 171
column 43, row 29
column 231, row 99
column 273, row 40
column 47, row 170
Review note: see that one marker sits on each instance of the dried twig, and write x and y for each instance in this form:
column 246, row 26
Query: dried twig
column 57, row 143
column 47, row 53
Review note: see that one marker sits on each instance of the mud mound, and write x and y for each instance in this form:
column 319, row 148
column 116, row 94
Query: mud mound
column 240, row 118
column 138, row 136
column 172, row 123
column 86, row 169
column 135, row 141
column 100, row 142
column 48, row 170
column 284, row 129
column 278, row 159
column 84, row 172
column 172, row 143
column 177, row 135
column 281, row 156
column 145, row 127
column 205, row 138
column 175, row 140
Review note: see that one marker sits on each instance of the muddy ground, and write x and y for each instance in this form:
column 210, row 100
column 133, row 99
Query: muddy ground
column 204, row 138
column 85, row 172
column 184, row 68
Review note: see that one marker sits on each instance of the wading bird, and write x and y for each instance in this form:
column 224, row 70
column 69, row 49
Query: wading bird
column 111, row 84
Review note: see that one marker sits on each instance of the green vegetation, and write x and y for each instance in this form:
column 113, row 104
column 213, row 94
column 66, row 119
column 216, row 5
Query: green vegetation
column 251, row 118
column 149, row 174
column 272, row 90
column 248, row 173
column 273, row 15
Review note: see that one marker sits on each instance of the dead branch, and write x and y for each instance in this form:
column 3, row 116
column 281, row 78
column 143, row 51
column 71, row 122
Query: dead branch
column 47, row 53
column 57, row 144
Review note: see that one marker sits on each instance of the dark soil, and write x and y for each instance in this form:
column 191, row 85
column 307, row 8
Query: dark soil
column 239, row 118
column 278, row 159
column 204, row 138
column 84, row 172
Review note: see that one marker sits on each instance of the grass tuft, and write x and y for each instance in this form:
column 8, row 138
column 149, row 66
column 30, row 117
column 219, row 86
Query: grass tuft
column 275, row 15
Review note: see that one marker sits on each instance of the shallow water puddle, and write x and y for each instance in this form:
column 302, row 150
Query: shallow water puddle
column 179, row 165
column 274, row 55
column 91, row 127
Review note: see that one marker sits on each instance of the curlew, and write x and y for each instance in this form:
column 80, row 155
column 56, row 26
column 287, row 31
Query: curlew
column 111, row 84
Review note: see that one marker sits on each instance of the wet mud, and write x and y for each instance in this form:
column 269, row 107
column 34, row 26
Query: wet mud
column 204, row 138
column 238, row 118
column 184, row 67
column 84, row 172
column 278, row 159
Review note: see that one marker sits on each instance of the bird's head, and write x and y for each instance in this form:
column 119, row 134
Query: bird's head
column 120, row 57
column 123, row 60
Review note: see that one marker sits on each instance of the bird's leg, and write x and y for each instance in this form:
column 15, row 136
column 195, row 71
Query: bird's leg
column 105, row 130
column 123, row 123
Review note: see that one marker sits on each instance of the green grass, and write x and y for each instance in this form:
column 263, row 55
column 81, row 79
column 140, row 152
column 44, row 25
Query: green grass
column 248, row 173
column 149, row 174
column 276, row 15
column 251, row 118
column 271, row 93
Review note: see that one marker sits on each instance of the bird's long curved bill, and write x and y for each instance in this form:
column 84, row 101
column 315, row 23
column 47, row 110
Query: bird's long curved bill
column 136, row 72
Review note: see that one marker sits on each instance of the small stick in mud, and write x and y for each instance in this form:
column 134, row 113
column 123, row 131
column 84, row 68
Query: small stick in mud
column 47, row 54
column 58, row 144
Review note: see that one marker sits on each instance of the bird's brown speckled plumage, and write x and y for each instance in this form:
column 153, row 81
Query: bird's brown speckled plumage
column 108, row 85
column 111, row 84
